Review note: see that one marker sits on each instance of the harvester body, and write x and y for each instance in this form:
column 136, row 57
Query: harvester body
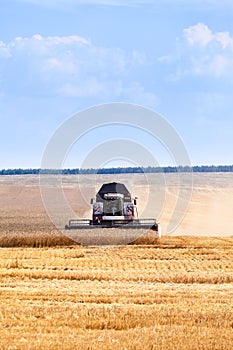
column 114, row 207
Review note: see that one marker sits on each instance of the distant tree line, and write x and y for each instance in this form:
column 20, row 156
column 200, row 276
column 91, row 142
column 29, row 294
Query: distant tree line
column 122, row 170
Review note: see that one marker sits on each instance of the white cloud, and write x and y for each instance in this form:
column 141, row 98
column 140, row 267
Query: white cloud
column 4, row 50
column 72, row 66
column 219, row 65
column 202, row 52
column 224, row 39
column 91, row 87
column 137, row 94
column 38, row 45
column 199, row 34
column 110, row 90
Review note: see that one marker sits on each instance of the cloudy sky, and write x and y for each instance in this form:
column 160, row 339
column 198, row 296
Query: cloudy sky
column 58, row 57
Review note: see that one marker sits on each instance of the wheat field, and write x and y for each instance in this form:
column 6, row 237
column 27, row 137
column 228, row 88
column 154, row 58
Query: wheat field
column 172, row 293
column 176, row 294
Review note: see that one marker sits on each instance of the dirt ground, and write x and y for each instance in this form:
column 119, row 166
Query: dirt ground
column 200, row 206
column 172, row 293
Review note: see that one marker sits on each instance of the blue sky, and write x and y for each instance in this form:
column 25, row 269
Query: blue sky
column 58, row 57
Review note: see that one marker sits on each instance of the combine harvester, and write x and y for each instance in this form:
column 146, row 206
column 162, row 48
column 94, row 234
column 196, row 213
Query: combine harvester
column 114, row 208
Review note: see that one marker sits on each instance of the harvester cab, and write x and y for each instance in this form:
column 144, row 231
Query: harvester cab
column 113, row 205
